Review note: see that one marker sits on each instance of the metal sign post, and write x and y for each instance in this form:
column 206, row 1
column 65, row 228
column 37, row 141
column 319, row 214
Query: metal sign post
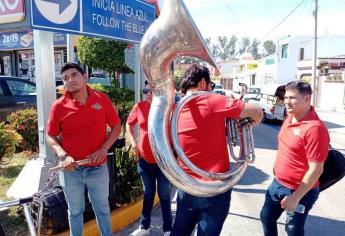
column 35, row 172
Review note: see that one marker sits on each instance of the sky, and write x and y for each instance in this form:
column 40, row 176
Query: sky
column 259, row 18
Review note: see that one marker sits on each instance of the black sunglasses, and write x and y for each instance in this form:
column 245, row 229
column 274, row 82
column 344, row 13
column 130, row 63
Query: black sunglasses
column 146, row 91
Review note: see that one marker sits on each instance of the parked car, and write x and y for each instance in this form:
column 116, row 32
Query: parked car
column 218, row 88
column 15, row 94
column 252, row 93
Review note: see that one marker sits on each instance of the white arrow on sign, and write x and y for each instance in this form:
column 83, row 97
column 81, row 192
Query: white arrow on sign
column 58, row 11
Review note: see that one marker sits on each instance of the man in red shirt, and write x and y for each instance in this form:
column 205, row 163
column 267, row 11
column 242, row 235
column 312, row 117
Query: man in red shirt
column 148, row 169
column 303, row 143
column 201, row 132
column 77, row 131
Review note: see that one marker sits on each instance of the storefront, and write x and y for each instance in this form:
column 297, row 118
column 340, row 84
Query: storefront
column 17, row 56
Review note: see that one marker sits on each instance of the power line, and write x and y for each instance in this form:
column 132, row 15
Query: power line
column 232, row 10
column 290, row 13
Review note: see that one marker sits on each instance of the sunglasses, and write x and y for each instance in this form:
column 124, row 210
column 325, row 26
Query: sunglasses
column 146, row 91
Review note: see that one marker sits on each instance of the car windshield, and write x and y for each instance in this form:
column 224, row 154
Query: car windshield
column 218, row 86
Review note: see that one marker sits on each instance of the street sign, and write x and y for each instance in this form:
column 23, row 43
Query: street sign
column 125, row 20
column 24, row 40
column 11, row 11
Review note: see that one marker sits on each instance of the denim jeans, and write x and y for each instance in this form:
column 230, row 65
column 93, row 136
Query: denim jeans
column 208, row 212
column 271, row 210
column 97, row 181
column 150, row 175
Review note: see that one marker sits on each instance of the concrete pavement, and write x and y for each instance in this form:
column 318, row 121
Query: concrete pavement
column 327, row 218
column 335, row 122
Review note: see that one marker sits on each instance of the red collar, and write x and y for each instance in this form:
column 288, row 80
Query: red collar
column 90, row 92
column 310, row 116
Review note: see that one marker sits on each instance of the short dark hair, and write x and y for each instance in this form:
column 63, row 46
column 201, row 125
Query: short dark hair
column 146, row 82
column 302, row 87
column 193, row 75
column 71, row 65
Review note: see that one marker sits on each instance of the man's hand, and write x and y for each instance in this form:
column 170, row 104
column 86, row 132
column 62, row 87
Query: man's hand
column 136, row 152
column 289, row 203
column 68, row 164
column 98, row 156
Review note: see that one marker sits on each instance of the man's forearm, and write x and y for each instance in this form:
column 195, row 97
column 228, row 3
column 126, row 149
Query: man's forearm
column 309, row 179
column 54, row 143
column 130, row 132
column 113, row 135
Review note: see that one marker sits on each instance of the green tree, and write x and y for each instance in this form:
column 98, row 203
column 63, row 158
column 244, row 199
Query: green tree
column 188, row 60
column 177, row 78
column 254, row 48
column 227, row 47
column 212, row 48
column 108, row 55
column 269, row 46
column 244, row 45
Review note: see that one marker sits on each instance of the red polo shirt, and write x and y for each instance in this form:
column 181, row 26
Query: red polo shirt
column 140, row 115
column 201, row 131
column 304, row 141
column 82, row 128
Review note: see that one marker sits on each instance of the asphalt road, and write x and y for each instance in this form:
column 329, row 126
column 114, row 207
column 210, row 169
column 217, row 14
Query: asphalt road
column 327, row 218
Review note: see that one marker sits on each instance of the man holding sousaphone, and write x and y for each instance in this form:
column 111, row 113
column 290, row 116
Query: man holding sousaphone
column 201, row 133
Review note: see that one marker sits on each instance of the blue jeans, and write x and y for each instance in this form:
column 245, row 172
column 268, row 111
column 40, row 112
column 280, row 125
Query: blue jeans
column 271, row 210
column 150, row 174
column 97, row 182
column 208, row 212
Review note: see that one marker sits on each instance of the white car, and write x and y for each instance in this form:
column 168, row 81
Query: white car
column 218, row 88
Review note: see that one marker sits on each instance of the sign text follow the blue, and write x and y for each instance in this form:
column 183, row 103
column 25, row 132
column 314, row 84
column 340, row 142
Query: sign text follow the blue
column 125, row 20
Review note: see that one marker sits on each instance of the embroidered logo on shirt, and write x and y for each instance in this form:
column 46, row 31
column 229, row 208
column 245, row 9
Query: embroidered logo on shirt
column 296, row 131
column 97, row 106
column 229, row 102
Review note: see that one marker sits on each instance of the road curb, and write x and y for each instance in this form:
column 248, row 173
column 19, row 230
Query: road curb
column 120, row 219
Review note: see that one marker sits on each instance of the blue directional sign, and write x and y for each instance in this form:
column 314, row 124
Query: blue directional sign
column 125, row 20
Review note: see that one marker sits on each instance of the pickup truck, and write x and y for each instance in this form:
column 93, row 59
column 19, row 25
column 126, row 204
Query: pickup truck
column 272, row 103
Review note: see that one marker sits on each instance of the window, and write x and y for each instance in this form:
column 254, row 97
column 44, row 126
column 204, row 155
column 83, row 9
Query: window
column 21, row 87
column 301, row 54
column 285, row 50
column 252, row 80
column 1, row 92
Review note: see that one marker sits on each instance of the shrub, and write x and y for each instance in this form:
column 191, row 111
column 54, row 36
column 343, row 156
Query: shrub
column 8, row 141
column 122, row 97
column 128, row 182
column 24, row 122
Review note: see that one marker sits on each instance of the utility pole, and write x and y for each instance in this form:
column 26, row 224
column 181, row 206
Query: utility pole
column 314, row 80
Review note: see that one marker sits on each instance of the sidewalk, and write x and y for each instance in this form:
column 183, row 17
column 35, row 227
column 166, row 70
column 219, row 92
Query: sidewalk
column 335, row 122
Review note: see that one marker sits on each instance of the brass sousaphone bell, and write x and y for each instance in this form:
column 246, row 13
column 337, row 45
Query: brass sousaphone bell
column 172, row 35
